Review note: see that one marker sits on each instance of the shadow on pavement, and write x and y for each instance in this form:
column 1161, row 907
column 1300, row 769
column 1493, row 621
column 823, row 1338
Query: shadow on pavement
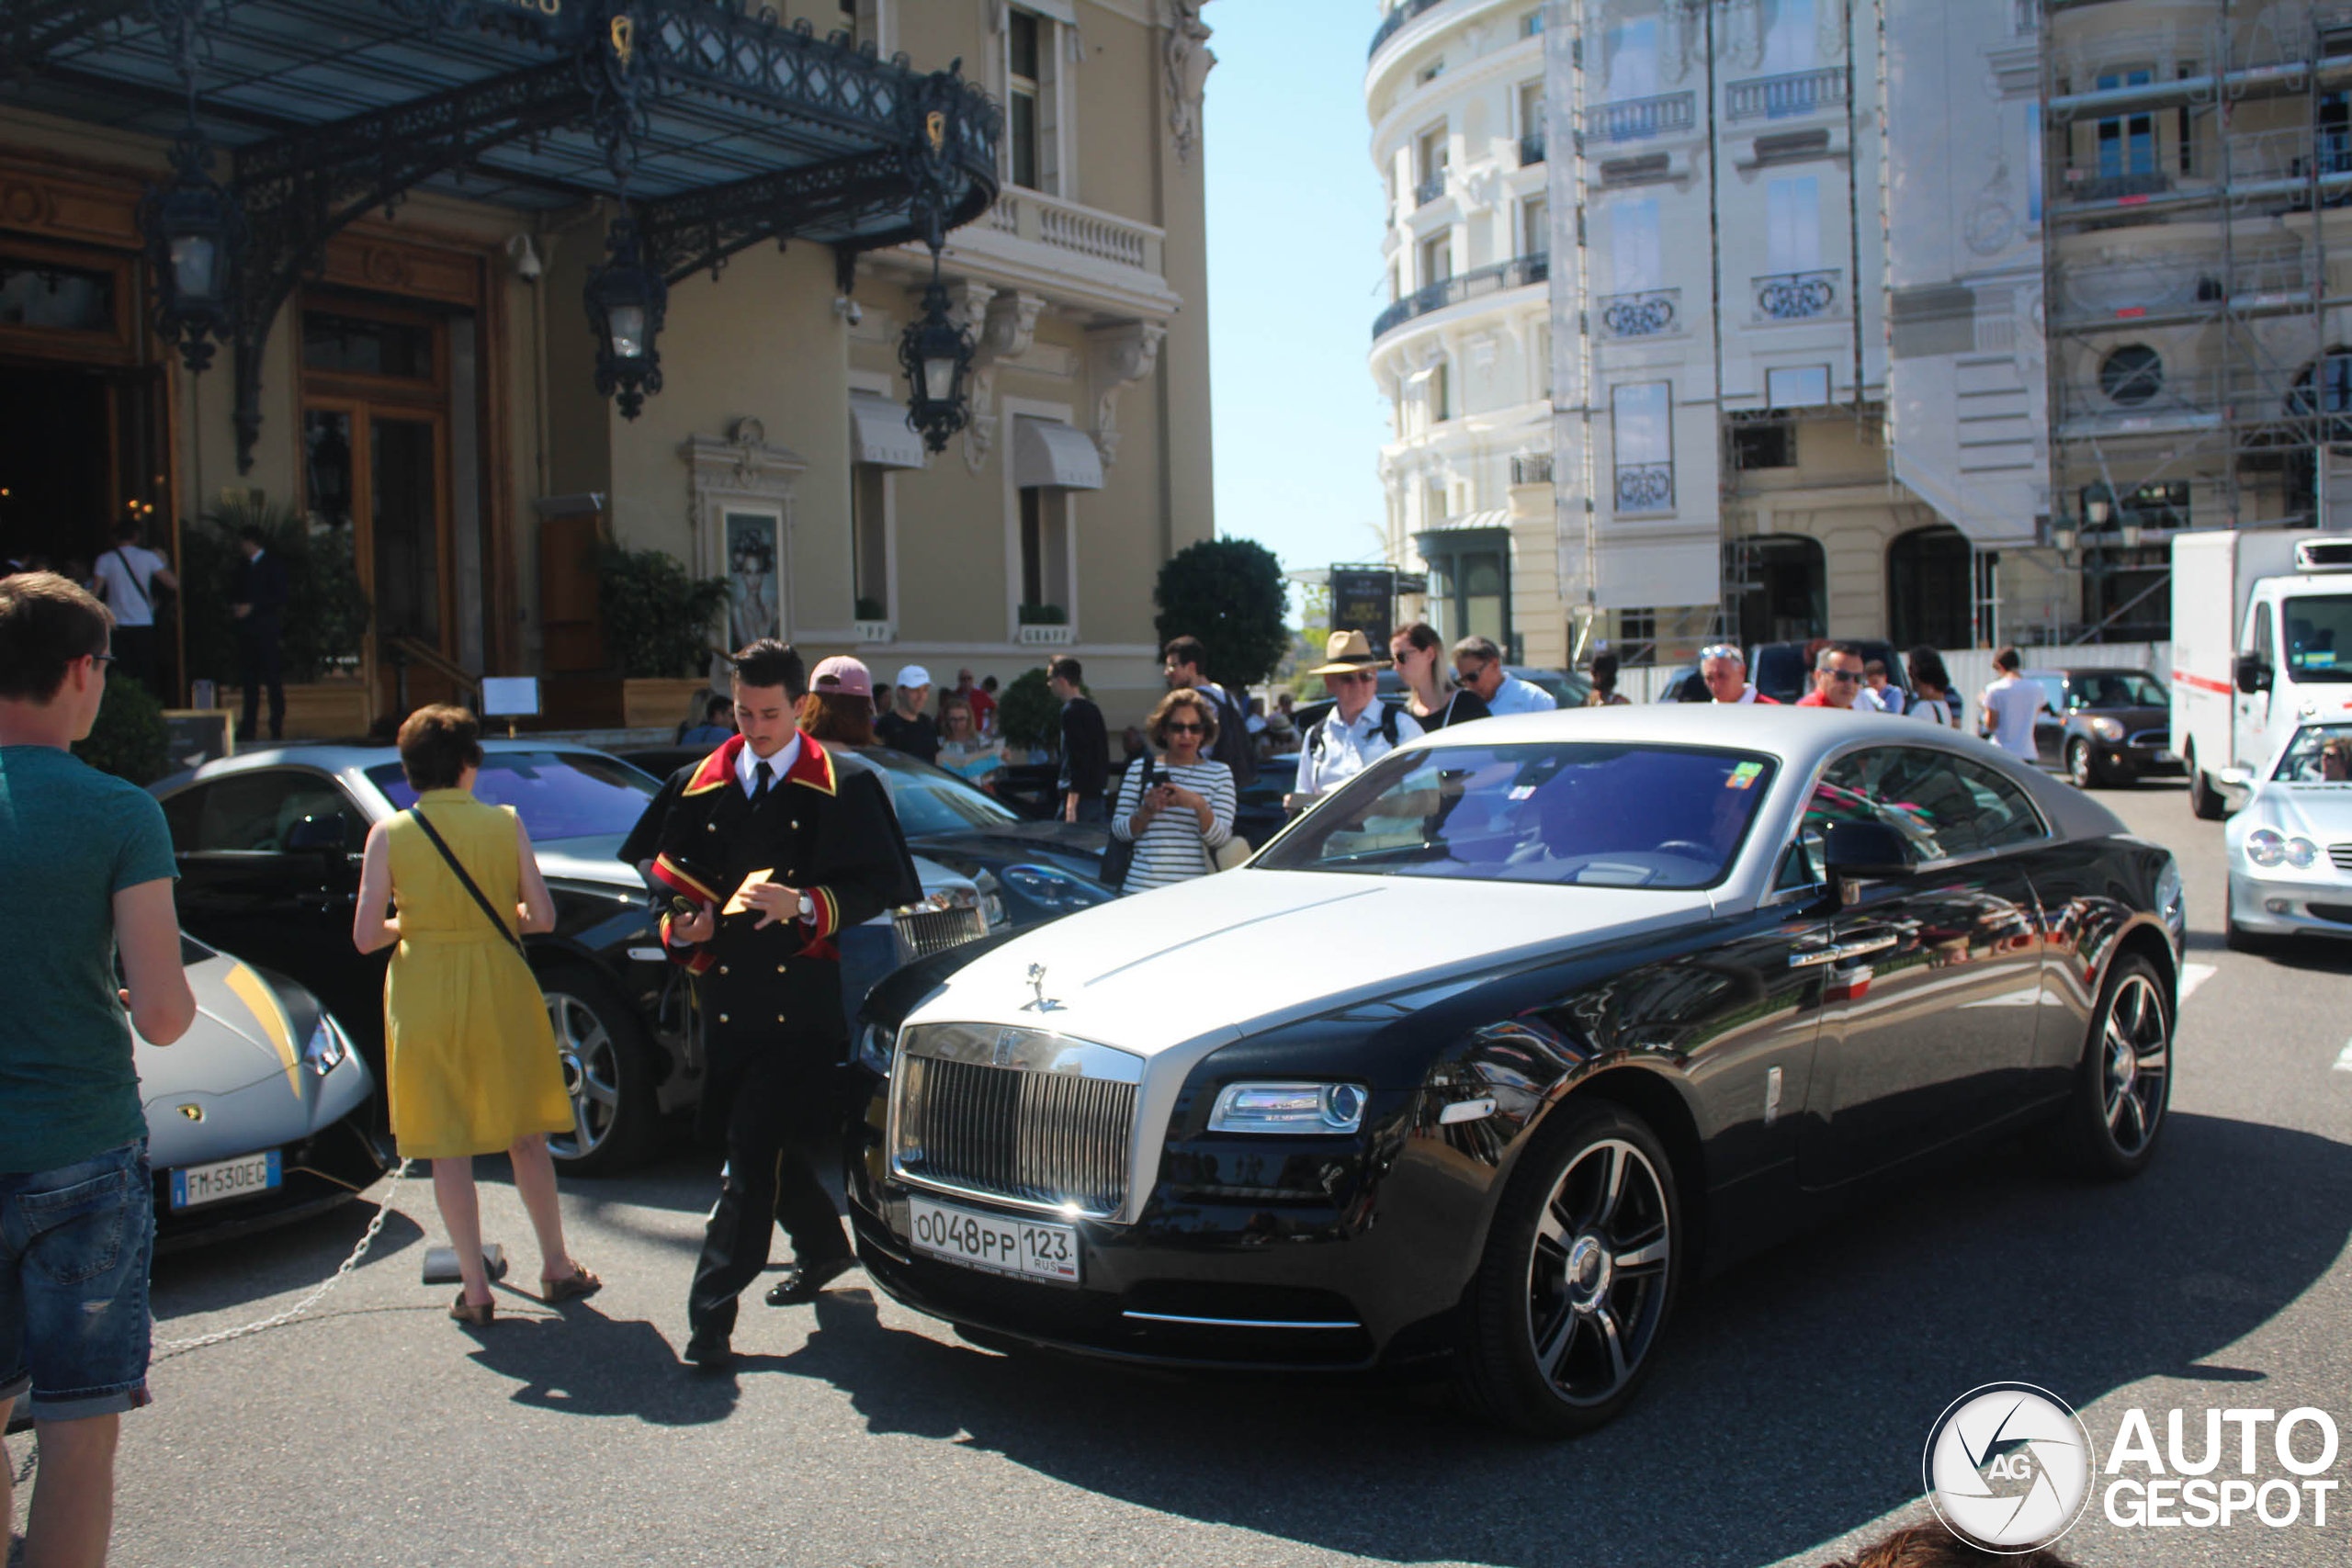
column 291, row 1258
column 1791, row 1407
column 577, row 1361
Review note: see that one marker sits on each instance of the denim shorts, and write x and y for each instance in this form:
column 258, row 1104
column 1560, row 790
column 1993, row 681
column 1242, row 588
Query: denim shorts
column 75, row 1245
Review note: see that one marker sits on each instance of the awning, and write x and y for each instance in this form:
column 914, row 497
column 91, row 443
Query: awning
column 1471, row 522
column 1047, row 453
column 879, row 432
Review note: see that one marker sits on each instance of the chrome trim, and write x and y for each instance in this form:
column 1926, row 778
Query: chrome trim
column 1020, row 1118
column 1466, row 1110
column 1019, row 1047
column 1867, row 944
column 1233, row 1322
column 1811, row 957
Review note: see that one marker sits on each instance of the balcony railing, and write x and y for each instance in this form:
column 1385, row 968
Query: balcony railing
column 1530, row 149
column 1516, row 273
column 1777, row 97
column 1534, row 470
column 1080, row 231
column 1796, row 295
column 1644, row 487
column 1649, row 313
column 1398, row 15
column 1637, row 119
column 1430, row 189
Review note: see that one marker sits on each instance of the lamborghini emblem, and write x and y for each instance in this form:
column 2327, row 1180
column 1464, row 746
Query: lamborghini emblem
column 193, row 1112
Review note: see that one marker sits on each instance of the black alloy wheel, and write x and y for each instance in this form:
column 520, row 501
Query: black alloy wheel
column 607, row 1071
column 2082, row 767
column 1582, row 1264
column 2113, row 1121
column 2204, row 797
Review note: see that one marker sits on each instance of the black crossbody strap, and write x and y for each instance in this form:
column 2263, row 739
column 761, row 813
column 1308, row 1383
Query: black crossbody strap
column 131, row 572
column 488, row 910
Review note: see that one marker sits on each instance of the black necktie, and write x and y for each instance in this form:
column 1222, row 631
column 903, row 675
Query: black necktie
column 764, row 775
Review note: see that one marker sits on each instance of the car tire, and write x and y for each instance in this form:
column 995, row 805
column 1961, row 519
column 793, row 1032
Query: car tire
column 2204, row 795
column 607, row 1071
column 1586, row 1253
column 2082, row 767
column 2115, row 1116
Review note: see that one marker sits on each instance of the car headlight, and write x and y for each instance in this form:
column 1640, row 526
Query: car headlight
column 2301, row 853
column 327, row 1048
column 2172, row 902
column 1288, row 1108
column 876, row 1046
column 2105, row 728
column 1049, row 889
column 2264, row 848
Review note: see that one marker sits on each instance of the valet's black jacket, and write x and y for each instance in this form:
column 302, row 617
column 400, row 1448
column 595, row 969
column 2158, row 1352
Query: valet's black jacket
column 826, row 828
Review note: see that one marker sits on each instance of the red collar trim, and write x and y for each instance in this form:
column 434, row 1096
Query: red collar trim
column 718, row 768
column 813, row 767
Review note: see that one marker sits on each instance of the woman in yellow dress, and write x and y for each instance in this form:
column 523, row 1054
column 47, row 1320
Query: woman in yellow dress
column 471, row 1062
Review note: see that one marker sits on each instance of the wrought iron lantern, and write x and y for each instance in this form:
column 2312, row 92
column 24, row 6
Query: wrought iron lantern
column 936, row 355
column 625, row 301
column 196, row 233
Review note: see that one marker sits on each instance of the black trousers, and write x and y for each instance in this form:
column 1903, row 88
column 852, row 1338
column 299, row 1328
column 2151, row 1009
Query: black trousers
column 134, row 654
column 258, row 661
column 768, row 1182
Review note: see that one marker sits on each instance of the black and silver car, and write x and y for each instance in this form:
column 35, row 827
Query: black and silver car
column 1506, row 1039
column 268, row 845
column 2103, row 725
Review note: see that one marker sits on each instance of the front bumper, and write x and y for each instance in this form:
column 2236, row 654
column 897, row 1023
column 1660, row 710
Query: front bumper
column 321, row 1172
column 2123, row 757
column 1293, row 1282
column 2298, row 907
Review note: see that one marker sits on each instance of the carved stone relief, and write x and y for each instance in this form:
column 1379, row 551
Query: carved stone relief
column 1122, row 353
column 1187, row 60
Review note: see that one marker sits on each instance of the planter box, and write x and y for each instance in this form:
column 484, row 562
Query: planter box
column 315, row 710
column 1049, row 637
column 661, row 702
column 875, row 631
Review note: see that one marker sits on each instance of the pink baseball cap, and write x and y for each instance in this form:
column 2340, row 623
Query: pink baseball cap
column 841, row 676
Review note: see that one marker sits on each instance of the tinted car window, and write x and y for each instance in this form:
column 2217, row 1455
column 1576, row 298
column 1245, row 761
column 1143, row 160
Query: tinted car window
column 1588, row 814
column 933, row 800
column 2122, row 689
column 2319, row 637
column 1942, row 805
column 2300, row 762
column 567, row 794
column 252, row 813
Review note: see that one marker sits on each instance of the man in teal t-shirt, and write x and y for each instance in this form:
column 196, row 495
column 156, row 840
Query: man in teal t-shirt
column 85, row 871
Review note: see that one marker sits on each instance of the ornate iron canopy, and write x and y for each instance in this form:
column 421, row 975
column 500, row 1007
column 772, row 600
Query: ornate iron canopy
column 720, row 128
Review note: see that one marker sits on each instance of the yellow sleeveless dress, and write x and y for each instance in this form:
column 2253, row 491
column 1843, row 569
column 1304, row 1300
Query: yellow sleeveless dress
column 472, row 1063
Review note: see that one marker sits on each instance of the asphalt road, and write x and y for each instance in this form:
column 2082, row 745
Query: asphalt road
column 1786, row 1422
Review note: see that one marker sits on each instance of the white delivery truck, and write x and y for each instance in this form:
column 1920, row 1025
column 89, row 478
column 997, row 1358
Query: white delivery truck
column 2261, row 642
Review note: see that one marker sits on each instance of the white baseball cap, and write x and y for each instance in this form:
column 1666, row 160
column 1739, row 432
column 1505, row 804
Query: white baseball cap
column 913, row 675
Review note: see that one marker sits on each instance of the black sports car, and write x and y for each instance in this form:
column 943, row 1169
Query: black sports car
column 1499, row 1044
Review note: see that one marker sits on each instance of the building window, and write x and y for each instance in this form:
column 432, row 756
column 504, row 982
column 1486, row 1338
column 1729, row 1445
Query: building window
column 1793, row 225
column 1632, row 50
column 1437, row 259
column 1637, row 256
column 2133, row 374
column 1430, row 156
column 869, row 540
column 1045, row 550
column 1765, row 443
column 1797, row 387
column 1032, row 121
column 1469, row 584
column 1638, row 636
column 1641, row 421
column 1429, row 72
column 1442, row 390
column 1530, row 107
column 1535, row 227
column 1532, row 24
column 1926, row 588
column 2127, row 143
column 1782, row 587
column 1789, row 45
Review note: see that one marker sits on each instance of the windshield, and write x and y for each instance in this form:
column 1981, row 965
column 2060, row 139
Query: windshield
column 2115, row 689
column 933, row 800
column 2307, row 759
column 560, row 795
column 1593, row 813
column 2318, row 634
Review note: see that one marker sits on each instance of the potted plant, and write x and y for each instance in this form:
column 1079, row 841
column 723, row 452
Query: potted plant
column 657, row 624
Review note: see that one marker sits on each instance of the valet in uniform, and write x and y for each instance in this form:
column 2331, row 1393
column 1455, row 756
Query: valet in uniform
column 779, row 843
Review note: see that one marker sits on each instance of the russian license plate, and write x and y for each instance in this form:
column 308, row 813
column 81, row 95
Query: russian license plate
column 239, row 1177
column 1029, row 1248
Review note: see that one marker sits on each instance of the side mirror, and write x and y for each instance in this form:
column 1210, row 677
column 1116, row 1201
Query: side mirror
column 1864, row 850
column 2235, row 778
column 2253, row 674
column 313, row 834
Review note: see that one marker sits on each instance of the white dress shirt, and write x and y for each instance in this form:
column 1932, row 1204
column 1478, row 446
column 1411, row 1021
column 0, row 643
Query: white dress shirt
column 1349, row 748
column 746, row 764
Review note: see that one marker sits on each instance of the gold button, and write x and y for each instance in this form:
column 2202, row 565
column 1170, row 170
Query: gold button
column 779, row 1017
column 722, row 969
column 710, row 827
column 779, row 968
column 722, row 1017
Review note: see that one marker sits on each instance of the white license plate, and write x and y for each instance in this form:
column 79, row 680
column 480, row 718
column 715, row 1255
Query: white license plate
column 1028, row 1249
column 239, row 1177
column 2168, row 758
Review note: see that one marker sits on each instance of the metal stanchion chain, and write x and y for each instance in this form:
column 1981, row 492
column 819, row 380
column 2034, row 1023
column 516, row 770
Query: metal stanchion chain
column 171, row 1347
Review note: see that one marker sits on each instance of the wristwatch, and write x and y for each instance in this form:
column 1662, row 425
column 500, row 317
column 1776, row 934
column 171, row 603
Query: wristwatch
column 807, row 908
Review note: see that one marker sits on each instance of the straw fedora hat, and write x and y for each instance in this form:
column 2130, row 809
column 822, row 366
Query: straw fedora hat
column 1349, row 653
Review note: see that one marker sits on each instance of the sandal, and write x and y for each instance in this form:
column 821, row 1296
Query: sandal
column 574, row 1286
column 474, row 1316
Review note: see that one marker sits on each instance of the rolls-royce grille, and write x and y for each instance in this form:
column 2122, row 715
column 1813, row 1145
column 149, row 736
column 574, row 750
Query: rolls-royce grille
column 920, row 930
column 1035, row 1137
column 2342, row 855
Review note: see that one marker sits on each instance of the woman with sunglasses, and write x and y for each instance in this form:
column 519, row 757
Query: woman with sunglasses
column 1178, row 811
column 1419, row 654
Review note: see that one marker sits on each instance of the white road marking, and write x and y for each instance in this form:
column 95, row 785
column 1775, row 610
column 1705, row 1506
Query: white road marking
column 2193, row 975
column 2343, row 1058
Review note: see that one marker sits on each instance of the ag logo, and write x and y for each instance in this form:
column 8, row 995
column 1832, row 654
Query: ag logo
column 2008, row 1467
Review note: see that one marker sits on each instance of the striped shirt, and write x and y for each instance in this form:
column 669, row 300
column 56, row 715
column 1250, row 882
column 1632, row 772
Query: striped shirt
column 1173, row 848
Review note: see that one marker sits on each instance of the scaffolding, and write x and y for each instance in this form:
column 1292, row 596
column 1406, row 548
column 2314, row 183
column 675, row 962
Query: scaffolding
column 2194, row 178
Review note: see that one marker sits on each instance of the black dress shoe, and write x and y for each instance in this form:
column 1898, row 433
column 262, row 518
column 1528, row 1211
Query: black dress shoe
column 708, row 1351
column 803, row 1280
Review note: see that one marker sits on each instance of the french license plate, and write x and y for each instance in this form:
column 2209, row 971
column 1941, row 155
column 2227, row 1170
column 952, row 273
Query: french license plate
column 1028, row 1249
column 240, row 1177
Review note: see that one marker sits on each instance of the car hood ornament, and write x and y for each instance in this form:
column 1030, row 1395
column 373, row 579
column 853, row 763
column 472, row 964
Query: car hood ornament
column 1043, row 1003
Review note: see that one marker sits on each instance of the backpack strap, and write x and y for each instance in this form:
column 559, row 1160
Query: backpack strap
column 466, row 882
column 1387, row 722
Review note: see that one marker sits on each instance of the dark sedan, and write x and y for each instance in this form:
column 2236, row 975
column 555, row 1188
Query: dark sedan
column 2102, row 726
column 1596, row 1003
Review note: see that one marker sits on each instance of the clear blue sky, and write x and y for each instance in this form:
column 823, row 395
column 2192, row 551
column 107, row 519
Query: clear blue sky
column 1295, row 280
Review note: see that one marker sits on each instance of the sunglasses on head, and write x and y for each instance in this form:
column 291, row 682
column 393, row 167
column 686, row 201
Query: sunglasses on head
column 1722, row 650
